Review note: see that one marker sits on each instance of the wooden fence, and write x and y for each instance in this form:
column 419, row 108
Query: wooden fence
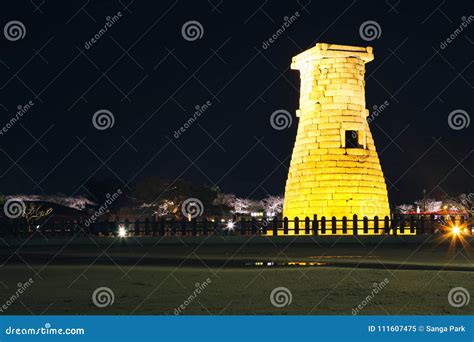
column 398, row 225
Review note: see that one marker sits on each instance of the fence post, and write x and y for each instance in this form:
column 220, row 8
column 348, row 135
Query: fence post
column 354, row 225
column 215, row 227
column 254, row 226
column 412, row 225
column 323, row 225
column 306, row 225
column 173, row 227
column 147, row 227
column 366, row 224
column 194, row 226
column 102, row 227
column 154, row 226
column 137, row 228
column 344, row 225
column 10, row 229
column 334, row 225
column 275, row 226
column 285, row 226
column 65, row 231
column 462, row 221
column 376, row 224
column 162, row 227
column 396, row 225
column 59, row 229
column 183, row 227
column 315, row 225
column 127, row 225
column 94, row 227
column 386, row 225
column 115, row 226
column 204, row 227
column 432, row 224
column 264, row 226
column 70, row 223
column 243, row 228
column 106, row 229
column 3, row 227
column 422, row 225
column 297, row 226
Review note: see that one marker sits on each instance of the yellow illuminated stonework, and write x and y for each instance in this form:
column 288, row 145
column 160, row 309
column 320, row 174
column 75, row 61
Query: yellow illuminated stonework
column 334, row 169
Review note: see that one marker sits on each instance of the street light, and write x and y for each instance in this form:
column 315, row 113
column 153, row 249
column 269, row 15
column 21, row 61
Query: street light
column 456, row 230
column 122, row 232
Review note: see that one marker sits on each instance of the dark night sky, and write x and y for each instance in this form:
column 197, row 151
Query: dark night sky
column 150, row 78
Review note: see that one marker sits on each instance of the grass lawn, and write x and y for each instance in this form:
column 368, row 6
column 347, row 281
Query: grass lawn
column 157, row 279
column 159, row 290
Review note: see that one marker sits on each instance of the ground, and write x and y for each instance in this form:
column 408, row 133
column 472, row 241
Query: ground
column 158, row 279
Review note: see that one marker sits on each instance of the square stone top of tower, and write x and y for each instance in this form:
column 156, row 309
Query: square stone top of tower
column 323, row 50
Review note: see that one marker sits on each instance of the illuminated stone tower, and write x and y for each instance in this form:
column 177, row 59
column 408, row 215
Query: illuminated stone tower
column 335, row 169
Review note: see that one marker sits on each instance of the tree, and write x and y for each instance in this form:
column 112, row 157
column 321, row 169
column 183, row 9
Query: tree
column 272, row 204
column 404, row 208
column 429, row 204
column 166, row 196
column 468, row 202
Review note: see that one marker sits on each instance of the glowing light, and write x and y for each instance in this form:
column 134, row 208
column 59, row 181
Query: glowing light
column 230, row 225
column 455, row 234
column 122, row 232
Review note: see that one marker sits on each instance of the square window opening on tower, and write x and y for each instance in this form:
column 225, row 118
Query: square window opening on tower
column 352, row 139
